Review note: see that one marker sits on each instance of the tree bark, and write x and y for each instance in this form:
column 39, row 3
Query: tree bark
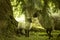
column 7, row 21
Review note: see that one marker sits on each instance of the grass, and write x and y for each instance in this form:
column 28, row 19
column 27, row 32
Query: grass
column 35, row 36
column 40, row 36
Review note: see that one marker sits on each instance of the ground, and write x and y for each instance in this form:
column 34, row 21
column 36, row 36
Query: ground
column 39, row 36
column 33, row 36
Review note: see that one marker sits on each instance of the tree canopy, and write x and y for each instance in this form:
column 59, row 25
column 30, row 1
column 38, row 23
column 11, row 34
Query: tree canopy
column 48, row 5
column 29, row 7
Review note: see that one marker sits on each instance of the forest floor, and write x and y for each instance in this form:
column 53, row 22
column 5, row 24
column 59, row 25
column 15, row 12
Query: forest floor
column 33, row 36
column 40, row 36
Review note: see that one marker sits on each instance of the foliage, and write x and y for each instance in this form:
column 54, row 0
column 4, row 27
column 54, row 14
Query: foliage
column 35, row 4
column 45, row 8
column 17, row 10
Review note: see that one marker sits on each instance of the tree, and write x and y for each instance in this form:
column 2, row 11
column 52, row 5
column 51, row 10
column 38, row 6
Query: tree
column 7, row 22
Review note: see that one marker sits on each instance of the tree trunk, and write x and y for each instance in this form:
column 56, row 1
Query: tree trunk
column 7, row 21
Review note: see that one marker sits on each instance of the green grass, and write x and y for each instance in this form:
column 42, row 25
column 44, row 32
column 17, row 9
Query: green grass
column 39, row 36
column 35, row 36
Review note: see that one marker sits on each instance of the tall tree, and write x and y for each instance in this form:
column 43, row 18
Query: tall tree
column 7, row 21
